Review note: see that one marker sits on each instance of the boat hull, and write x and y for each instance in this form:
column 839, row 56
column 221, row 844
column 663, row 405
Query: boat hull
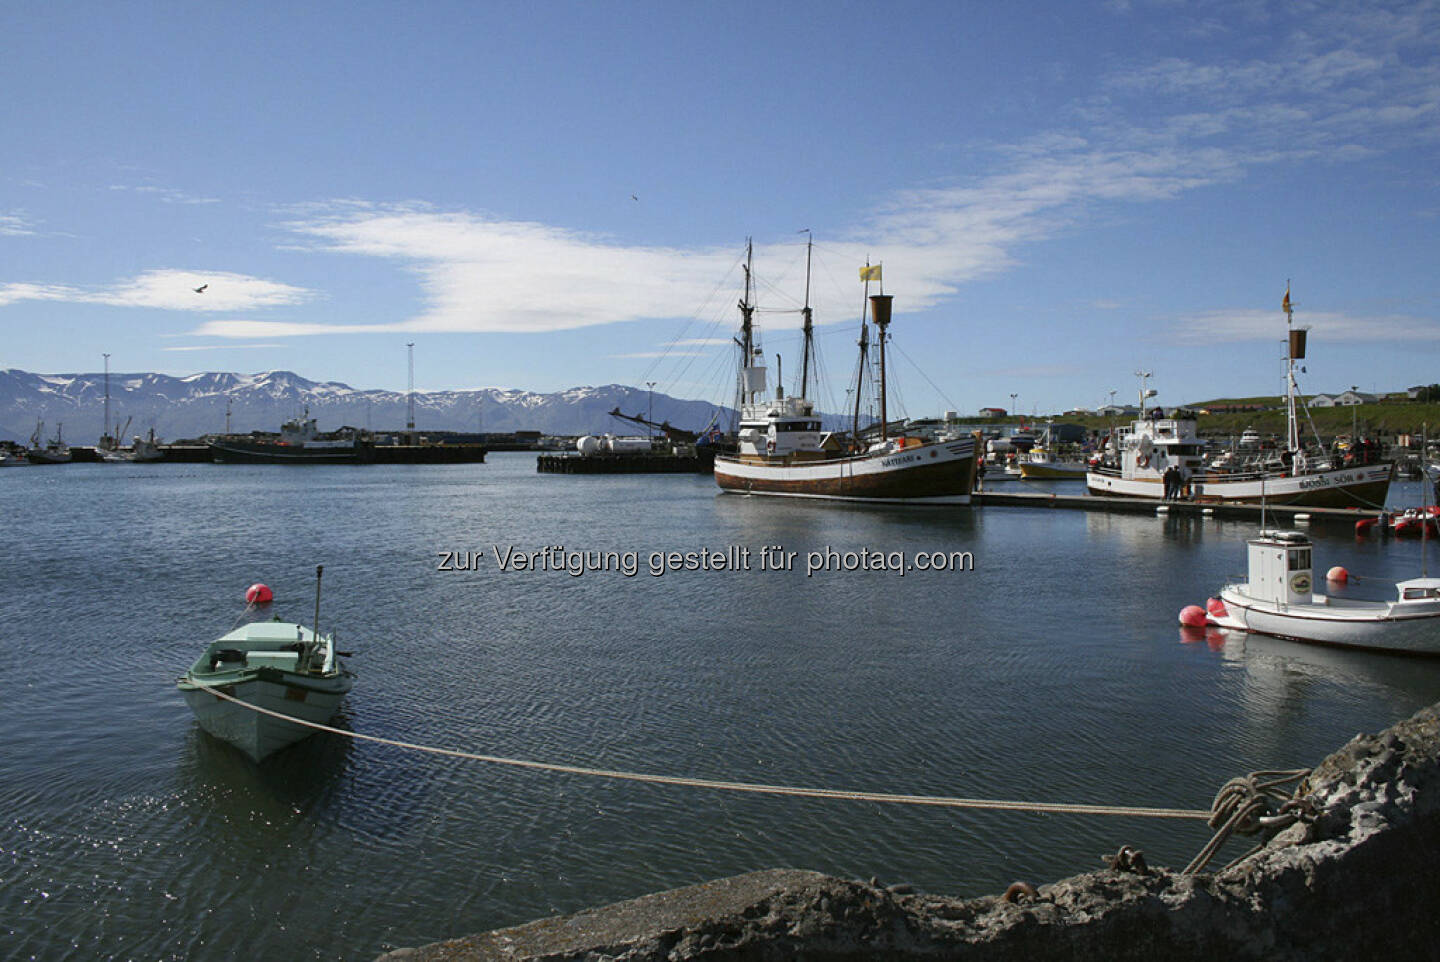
column 1364, row 487
column 939, row 473
column 259, row 735
column 1374, row 625
column 262, row 452
column 1051, row 470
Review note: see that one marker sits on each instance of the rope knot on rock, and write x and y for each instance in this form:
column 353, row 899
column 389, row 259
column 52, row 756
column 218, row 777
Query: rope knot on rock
column 1254, row 803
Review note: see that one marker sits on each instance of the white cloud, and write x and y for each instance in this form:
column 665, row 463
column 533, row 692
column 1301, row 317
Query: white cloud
column 167, row 194
column 659, row 354
column 1236, row 326
column 221, row 347
column 172, row 290
column 14, row 224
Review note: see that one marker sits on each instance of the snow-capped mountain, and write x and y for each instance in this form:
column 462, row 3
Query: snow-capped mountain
column 187, row 407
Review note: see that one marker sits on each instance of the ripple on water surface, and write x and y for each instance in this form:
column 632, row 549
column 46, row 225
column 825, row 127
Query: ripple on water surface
column 1052, row 671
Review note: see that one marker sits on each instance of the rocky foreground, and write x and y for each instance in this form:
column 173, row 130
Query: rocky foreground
column 1358, row 877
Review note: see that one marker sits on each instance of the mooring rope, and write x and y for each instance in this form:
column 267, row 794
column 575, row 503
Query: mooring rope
column 1259, row 802
column 1049, row 808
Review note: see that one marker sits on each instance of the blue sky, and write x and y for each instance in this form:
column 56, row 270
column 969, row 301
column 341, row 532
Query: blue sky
column 544, row 194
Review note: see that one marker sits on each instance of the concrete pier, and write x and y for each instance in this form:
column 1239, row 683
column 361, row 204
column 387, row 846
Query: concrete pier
column 1354, row 878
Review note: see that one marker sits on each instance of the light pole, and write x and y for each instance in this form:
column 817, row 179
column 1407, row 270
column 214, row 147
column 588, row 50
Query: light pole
column 1013, row 396
column 104, row 434
column 410, row 397
column 651, row 415
column 1355, row 402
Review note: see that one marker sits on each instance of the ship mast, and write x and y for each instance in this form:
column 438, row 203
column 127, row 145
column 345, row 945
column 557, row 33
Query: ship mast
column 808, row 327
column 751, row 374
column 867, row 273
column 1296, row 352
column 880, row 312
column 860, row 375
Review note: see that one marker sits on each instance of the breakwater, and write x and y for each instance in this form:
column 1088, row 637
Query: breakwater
column 1353, row 877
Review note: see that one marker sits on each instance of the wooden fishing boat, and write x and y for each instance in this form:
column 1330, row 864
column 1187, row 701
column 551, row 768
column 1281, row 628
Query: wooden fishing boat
column 784, row 452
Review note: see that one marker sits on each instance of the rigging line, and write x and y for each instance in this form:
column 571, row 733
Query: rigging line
column 1056, row 808
column 953, row 405
column 710, row 298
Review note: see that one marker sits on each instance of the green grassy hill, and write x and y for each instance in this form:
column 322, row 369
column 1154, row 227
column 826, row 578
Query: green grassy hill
column 1381, row 420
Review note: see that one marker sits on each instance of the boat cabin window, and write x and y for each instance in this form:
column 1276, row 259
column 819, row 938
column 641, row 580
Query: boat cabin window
column 1412, row 594
column 1299, row 559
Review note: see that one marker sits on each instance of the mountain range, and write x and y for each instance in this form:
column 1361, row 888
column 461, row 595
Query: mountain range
column 191, row 406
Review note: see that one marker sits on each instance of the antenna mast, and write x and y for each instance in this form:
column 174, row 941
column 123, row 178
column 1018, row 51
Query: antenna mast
column 410, row 397
column 106, row 431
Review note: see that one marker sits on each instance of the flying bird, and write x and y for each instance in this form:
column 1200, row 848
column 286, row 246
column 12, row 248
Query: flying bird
column 633, row 197
column 201, row 288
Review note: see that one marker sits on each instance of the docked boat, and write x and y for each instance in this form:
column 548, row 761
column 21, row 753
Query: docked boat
column 279, row 666
column 1136, row 459
column 146, row 448
column 1044, row 468
column 783, row 451
column 54, row 451
column 300, row 442
column 1278, row 598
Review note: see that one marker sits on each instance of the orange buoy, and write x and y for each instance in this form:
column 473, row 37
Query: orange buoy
column 258, row 594
column 1216, row 607
column 1338, row 575
column 1192, row 616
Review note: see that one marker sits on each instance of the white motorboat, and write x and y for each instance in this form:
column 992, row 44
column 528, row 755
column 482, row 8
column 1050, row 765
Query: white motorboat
column 1278, row 598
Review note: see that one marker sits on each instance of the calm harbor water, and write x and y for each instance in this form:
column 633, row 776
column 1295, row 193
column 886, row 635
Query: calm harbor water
column 1052, row 671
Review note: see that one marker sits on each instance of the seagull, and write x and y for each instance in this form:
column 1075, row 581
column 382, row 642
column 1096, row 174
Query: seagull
column 633, row 197
column 201, row 288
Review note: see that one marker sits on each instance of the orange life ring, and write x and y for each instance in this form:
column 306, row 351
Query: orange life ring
column 1143, row 461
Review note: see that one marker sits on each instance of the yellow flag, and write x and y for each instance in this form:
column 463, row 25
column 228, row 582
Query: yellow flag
column 870, row 273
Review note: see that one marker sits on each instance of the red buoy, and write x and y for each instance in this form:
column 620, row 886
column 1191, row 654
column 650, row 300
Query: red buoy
column 1192, row 616
column 1216, row 607
column 1365, row 525
column 258, row 594
column 1338, row 575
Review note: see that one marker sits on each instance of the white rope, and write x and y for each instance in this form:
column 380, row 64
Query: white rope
column 1050, row 808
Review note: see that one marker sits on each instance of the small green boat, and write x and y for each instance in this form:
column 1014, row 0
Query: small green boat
column 279, row 666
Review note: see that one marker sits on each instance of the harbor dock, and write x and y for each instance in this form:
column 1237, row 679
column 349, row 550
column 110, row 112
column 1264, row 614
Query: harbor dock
column 699, row 463
column 1192, row 509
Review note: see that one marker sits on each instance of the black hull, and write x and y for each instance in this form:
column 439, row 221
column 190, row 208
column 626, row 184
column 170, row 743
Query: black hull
column 263, row 452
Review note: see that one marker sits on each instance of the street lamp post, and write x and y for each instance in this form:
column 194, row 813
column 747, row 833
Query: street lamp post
column 651, row 415
column 105, row 433
column 1354, row 415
